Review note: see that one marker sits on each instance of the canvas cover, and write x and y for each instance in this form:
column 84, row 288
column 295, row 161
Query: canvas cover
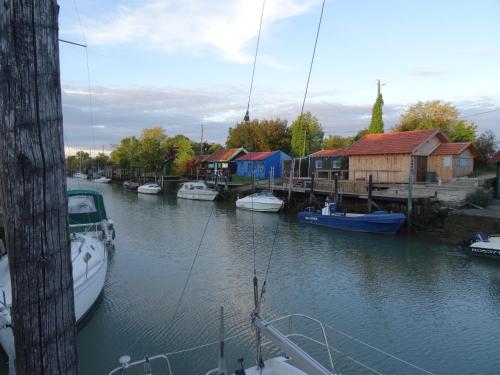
column 85, row 207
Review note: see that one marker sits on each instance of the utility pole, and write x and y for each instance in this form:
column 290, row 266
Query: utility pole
column 201, row 141
column 33, row 189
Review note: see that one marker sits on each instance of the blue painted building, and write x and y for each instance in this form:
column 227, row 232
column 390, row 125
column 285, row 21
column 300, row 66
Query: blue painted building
column 262, row 163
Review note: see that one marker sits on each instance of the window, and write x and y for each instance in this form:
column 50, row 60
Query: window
column 81, row 204
column 336, row 164
column 318, row 164
column 463, row 162
column 447, row 161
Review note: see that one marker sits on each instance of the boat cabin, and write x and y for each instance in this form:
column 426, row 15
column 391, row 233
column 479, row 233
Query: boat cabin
column 85, row 208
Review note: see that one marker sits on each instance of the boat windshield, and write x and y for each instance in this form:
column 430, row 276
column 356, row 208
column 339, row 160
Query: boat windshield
column 263, row 194
column 81, row 204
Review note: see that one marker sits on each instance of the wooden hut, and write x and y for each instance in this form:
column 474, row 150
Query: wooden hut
column 495, row 159
column 261, row 164
column 221, row 162
column 325, row 164
column 451, row 160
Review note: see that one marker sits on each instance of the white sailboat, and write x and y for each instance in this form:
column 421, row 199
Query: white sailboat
column 91, row 233
column 80, row 175
column 261, row 202
column 197, row 190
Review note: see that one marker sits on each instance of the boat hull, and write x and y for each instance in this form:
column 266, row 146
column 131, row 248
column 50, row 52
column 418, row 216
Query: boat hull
column 259, row 206
column 143, row 190
column 370, row 223
column 198, row 195
column 486, row 249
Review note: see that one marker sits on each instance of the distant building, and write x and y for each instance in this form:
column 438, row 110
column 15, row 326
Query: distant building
column 221, row 162
column 262, row 163
column 389, row 157
column 495, row 159
column 325, row 164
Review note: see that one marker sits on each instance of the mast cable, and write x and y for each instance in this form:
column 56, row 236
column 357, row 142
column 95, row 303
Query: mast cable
column 247, row 114
column 263, row 289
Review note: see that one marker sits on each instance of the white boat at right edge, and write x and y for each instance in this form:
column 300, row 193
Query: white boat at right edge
column 261, row 202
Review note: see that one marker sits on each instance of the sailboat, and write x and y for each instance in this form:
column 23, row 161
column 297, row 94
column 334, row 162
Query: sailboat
column 91, row 234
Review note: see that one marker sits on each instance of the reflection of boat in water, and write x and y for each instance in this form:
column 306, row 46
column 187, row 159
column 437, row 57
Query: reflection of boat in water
column 131, row 185
column 262, row 202
column 483, row 245
column 197, row 190
column 375, row 222
column 103, row 180
column 149, row 189
column 90, row 233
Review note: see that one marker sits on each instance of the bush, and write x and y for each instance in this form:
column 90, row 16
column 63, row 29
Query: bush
column 479, row 197
column 482, row 170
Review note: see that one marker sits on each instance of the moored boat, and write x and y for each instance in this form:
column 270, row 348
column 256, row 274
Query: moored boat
column 103, row 180
column 90, row 233
column 261, row 202
column 131, row 185
column 483, row 245
column 197, row 190
column 149, row 189
column 375, row 222
column 80, row 175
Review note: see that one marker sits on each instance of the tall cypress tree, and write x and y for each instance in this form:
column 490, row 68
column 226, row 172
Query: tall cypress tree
column 377, row 123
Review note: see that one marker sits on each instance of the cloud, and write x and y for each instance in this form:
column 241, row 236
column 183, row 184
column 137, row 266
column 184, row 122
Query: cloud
column 122, row 112
column 193, row 26
column 429, row 72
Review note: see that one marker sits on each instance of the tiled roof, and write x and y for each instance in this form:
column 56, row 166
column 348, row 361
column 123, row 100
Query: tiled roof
column 223, row 154
column 392, row 143
column 202, row 158
column 324, row 153
column 495, row 158
column 256, row 156
column 451, row 148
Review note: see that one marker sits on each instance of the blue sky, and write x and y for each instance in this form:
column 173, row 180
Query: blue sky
column 180, row 63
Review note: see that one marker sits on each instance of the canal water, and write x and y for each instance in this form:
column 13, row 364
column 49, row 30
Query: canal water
column 418, row 299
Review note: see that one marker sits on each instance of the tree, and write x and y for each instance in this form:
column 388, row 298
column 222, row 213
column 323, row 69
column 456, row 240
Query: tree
column 486, row 143
column 179, row 153
column 157, row 133
column 437, row 115
column 150, row 155
column 33, row 189
column 126, row 154
column 264, row 135
column 214, row 147
column 337, row 141
column 309, row 127
column 377, row 123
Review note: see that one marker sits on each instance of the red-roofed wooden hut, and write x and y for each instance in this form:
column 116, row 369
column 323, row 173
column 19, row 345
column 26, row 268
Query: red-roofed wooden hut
column 451, row 160
column 325, row 163
column 495, row 159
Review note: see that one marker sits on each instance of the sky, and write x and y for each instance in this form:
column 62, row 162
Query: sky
column 182, row 63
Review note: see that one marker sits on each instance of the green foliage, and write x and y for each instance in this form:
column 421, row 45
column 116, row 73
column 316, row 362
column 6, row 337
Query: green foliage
column 482, row 169
column 479, row 197
column 309, row 127
column 486, row 144
column 264, row 135
column 126, row 154
column 214, row 147
column 377, row 123
column 337, row 141
column 360, row 134
column 157, row 133
column 437, row 115
column 184, row 153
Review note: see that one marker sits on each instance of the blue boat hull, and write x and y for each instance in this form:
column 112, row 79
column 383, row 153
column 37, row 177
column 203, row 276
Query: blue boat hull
column 379, row 222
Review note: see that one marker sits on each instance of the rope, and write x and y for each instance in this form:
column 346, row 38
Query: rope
column 263, row 289
column 190, row 271
column 380, row 350
column 309, row 75
column 255, row 57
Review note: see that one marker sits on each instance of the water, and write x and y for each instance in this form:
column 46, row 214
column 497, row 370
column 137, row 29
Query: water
column 415, row 298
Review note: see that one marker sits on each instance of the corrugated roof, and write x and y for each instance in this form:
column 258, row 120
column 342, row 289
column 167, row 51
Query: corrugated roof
column 256, row 156
column 223, row 154
column 392, row 143
column 495, row 158
column 325, row 153
column 451, row 148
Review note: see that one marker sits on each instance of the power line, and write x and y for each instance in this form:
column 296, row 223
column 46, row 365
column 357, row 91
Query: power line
column 481, row 113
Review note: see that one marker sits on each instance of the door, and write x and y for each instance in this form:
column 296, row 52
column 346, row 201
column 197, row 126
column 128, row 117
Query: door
column 420, row 167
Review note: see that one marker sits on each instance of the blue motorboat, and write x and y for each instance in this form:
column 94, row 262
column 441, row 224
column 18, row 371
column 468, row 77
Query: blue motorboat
column 375, row 222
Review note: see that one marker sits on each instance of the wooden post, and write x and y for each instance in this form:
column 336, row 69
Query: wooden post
column 33, row 189
column 336, row 196
column 410, row 194
column 498, row 180
column 292, row 170
column 370, row 188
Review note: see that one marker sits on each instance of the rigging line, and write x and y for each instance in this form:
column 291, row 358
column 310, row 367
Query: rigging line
column 190, row 271
column 481, row 113
column 91, row 108
column 255, row 57
column 263, row 289
column 380, row 350
column 310, row 71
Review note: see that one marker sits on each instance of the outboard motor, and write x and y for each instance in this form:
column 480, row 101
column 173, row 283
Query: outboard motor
column 476, row 237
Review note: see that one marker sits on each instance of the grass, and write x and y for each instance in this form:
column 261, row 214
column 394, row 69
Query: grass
column 479, row 197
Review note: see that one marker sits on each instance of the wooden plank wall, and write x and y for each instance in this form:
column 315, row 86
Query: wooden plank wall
column 383, row 168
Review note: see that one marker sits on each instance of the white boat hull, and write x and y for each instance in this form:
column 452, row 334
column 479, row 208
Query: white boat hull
column 103, row 180
column 198, row 195
column 144, row 190
column 488, row 249
column 88, row 282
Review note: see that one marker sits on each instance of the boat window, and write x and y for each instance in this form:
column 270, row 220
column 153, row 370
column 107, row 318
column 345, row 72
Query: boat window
column 81, row 204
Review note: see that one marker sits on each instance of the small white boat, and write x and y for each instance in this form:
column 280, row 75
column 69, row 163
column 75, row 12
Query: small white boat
column 90, row 233
column 262, row 202
column 80, row 175
column 484, row 246
column 197, row 190
column 103, row 180
column 149, row 189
